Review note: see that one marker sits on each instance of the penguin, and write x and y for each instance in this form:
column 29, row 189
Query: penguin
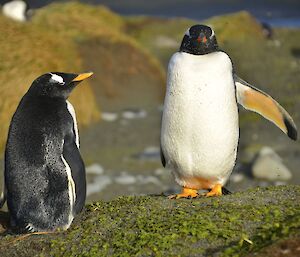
column 200, row 127
column 45, row 181
column 17, row 10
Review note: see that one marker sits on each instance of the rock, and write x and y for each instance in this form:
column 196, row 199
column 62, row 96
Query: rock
column 151, row 153
column 237, row 177
column 16, row 10
column 131, row 114
column 98, row 184
column 95, row 168
column 160, row 171
column 280, row 183
column 148, row 180
column 109, row 116
column 125, row 179
column 166, row 42
column 289, row 247
column 231, row 225
column 268, row 166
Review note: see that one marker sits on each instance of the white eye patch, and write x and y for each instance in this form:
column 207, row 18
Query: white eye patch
column 212, row 33
column 57, row 79
column 187, row 33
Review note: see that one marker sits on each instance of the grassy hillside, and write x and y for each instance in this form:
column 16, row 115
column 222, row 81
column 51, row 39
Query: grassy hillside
column 78, row 20
column 27, row 52
column 120, row 64
column 58, row 38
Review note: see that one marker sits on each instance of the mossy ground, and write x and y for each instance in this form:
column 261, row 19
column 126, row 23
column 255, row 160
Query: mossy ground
column 231, row 225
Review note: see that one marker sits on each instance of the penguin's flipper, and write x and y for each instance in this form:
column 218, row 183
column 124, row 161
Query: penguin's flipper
column 3, row 197
column 73, row 158
column 162, row 157
column 3, row 194
column 258, row 101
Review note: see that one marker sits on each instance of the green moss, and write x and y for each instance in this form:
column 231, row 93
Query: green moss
column 239, row 26
column 78, row 20
column 149, row 31
column 153, row 225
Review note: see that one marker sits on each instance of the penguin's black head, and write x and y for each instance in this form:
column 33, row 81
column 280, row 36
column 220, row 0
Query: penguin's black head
column 56, row 84
column 198, row 40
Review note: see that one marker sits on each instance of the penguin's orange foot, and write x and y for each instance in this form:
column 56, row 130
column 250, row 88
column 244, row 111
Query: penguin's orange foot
column 186, row 193
column 215, row 191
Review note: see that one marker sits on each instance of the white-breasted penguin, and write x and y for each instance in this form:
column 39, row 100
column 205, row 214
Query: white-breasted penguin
column 200, row 129
column 44, row 172
column 17, row 10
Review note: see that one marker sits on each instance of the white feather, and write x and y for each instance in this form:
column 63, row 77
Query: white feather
column 72, row 112
column 57, row 78
column 200, row 119
column 30, row 228
column 187, row 33
column 212, row 33
column 71, row 190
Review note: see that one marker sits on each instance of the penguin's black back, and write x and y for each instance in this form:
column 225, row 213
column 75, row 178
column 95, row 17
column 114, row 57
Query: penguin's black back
column 35, row 175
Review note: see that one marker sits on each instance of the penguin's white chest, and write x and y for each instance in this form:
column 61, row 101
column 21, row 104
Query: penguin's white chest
column 200, row 119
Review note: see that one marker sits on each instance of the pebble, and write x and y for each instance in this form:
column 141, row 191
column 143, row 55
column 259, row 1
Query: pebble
column 95, row 169
column 159, row 171
column 109, row 116
column 280, row 183
column 268, row 166
column 237, row 177
column 99, row 183
column 148, row 180
column 150, row 153
column 134, row 114
column 125, row 179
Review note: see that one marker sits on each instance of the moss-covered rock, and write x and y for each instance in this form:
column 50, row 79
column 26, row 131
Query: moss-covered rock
column 78, row 20
column 121, row 65
column 231, row 225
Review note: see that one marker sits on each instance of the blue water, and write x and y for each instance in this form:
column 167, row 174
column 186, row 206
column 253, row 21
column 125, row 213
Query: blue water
column 285, row 22
column 278, row 13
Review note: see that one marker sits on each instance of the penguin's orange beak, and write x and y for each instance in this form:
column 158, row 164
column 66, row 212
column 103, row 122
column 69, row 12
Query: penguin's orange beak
column 83, row 76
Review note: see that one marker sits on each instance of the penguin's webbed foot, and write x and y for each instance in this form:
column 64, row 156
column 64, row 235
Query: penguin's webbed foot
column 186, row 193
column 215, row 191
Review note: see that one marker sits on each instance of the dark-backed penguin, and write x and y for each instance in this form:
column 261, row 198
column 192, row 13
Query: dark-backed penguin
column 17, row 10
column 200, row 129
column 44, row 172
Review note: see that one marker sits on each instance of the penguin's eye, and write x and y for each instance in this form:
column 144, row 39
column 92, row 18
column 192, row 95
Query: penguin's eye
column 57, row 79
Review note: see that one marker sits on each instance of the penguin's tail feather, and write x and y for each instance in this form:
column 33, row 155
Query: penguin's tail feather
column 3, row 197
